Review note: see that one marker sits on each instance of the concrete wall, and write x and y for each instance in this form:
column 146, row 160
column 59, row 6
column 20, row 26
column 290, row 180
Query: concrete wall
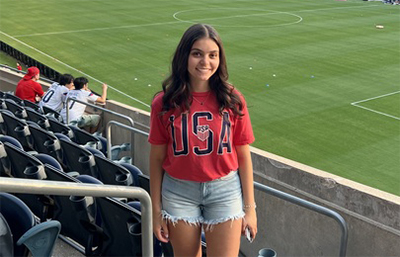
column 373, row 216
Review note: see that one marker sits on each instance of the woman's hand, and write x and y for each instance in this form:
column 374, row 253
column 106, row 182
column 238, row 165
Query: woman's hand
column 160, row 228
column 250, row 221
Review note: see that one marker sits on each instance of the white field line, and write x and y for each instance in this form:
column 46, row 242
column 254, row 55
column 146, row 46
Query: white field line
column 95, row 29
column 356, row 104
column 376, row 97
column 171, row 22
column 87, row 75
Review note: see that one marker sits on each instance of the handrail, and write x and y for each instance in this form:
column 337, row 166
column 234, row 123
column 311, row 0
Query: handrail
column 116, row 123
column 103, row 109
column 30, row 186
column 313, row 207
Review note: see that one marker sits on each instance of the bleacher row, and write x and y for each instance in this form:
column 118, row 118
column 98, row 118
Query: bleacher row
column 35, row 144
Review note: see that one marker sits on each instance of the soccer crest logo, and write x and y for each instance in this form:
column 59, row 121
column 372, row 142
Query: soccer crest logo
column 203, row 132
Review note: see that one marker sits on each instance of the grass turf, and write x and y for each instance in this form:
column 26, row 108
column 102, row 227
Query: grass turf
column 300, row 65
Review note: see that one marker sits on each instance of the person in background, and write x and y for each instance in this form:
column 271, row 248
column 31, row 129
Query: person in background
column 57, row 93
column 201, row 174
column 19, row 66
column 28, row 88
column 76, row 110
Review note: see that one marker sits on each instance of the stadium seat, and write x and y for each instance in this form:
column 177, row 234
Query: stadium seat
column 135, row 171
column 5, row 165
column 78, row 215
column 111, row 173
column 46, row 142
column 95, row 151
column 49, row 160
column 38, row 118
column 24, row 165
column 11, row 140
column 6, row 240
column 52, row 113
column 17, row 109
column 59, row 127
column 3, row 104
column 33, row 106
column 117, row 149
column 17, row 129
column 77, row 158
column 82, row 137
column 13, row 97
column 39, row 239
column 60, row 135
column 122, row 228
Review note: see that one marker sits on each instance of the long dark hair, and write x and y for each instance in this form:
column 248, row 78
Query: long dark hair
column 177, row 91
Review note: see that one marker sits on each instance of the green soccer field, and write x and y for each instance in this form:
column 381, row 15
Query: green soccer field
column 321, row 81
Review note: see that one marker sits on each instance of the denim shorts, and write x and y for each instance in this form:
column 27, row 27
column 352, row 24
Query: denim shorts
column 196, row 203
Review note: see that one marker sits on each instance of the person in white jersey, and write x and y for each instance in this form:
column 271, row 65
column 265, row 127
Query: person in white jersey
column 76, row 110
column 56, row 95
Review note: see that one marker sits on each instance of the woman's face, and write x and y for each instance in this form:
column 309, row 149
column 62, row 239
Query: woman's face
column 203, row 60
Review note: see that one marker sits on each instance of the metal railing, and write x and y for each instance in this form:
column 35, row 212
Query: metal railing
column 99, row 108
column 313, row 207
column 30, row 186
column 118, row 124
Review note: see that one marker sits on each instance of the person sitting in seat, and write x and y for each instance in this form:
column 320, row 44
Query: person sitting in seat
column 57, row 93
column 28, row 88
column 76, row 110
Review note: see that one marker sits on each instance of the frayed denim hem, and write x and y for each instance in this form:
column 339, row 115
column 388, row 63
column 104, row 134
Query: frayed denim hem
column 192, row 221
column 209, row 224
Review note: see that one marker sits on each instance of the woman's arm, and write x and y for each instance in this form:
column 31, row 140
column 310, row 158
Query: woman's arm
column 157, row 156
column 246, row 179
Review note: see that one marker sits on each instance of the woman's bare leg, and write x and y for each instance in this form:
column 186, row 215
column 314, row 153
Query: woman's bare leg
column 185, row 239
column 224, row 239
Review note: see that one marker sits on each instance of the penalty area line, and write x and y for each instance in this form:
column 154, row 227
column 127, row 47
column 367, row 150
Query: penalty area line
column 357, row 104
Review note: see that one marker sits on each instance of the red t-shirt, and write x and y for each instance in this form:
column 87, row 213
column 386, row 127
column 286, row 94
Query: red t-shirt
column 28, row 90
column 201, row 142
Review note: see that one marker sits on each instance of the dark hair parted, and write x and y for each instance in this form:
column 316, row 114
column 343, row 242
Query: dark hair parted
column 177, row 91
column 80, row 82
column 66, row 79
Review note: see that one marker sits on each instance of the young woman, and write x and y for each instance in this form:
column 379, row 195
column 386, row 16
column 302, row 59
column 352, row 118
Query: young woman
column 201, row 174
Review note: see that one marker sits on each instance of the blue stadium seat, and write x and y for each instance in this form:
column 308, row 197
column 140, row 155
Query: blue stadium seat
column 52, row 113
column 47, row 159
column 17, row 129
column 31, row 105
column 13, row 97
column 45, row 142
column 78, row 215
column 17, row 109
column 111, row 173
column 135, row 171
column 82, row 137
column 122, row 228
column 77, row 158
column 38, row 118
column 11, row 140
column 5, row 164
column 3, row 105
column 6, row 240
column 58, row 127
column 39, row 239
column 24, row 165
